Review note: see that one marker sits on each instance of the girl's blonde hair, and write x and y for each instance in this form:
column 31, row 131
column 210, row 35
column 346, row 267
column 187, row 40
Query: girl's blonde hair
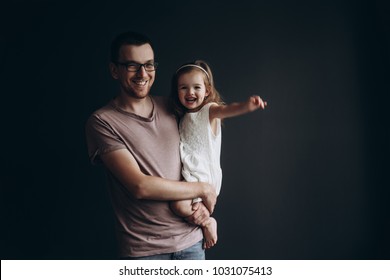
column 202, row 67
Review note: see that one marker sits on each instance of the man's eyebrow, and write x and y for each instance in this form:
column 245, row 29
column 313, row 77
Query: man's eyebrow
column 133, row 61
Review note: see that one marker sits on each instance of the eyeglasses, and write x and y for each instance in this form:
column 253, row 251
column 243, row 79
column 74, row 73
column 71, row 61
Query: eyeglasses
column 135, row 67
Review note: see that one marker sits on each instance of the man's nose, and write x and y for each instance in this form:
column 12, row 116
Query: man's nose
column 141, row 71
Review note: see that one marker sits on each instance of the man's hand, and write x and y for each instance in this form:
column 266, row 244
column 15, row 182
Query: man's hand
column 210, row 198
column 200, row 216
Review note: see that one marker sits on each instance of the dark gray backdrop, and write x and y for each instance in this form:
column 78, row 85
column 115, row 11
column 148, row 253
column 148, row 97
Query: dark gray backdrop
column 304, row 179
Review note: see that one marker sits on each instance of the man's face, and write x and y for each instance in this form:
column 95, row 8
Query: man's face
column 135, row 84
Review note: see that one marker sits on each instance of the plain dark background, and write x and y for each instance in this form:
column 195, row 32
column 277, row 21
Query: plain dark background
column 305, row 179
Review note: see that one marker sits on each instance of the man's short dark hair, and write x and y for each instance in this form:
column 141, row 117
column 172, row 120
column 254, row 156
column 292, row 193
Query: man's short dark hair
column 127, row 38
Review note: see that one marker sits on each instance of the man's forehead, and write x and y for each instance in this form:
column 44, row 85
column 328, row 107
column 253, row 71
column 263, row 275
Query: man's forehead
column 136, row 53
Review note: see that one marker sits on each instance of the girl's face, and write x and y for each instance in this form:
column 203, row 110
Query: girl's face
column 192, row 90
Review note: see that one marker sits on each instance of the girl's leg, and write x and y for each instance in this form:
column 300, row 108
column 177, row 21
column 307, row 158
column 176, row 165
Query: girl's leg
column 183, row 208
column 210, row 233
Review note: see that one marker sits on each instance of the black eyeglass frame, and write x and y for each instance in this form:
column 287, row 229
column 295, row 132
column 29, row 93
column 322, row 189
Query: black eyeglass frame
column 139, row 65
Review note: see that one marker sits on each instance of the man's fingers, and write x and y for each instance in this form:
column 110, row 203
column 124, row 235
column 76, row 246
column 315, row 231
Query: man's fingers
column 195, row 206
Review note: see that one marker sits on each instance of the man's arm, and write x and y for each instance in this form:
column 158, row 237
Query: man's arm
column 125, row 168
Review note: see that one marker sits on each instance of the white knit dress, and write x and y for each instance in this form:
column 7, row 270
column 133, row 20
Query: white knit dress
column 200, row 149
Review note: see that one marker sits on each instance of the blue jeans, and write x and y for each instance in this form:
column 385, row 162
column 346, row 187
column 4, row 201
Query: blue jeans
column 195, row 252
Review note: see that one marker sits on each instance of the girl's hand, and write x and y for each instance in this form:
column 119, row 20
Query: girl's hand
column 255, row 102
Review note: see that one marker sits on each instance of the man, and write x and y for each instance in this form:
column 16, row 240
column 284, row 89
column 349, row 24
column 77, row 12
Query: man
column 136, row 138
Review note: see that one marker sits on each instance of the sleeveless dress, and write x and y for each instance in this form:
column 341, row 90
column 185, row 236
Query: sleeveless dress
column 200, row 149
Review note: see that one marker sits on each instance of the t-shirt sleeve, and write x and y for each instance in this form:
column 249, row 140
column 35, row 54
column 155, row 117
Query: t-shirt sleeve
column 101, row 139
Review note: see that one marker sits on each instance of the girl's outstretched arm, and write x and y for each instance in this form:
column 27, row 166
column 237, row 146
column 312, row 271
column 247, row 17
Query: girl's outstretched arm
column 238, row 108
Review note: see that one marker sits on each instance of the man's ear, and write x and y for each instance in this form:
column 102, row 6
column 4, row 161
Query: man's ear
column 114, row 70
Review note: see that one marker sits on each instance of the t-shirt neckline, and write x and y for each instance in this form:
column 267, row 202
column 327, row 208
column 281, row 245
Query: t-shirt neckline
column 133, row 115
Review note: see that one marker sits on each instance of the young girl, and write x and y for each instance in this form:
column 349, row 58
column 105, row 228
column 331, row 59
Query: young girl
column 201, row 109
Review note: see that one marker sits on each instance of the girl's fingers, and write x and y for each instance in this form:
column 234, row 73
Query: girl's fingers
column 255, row 99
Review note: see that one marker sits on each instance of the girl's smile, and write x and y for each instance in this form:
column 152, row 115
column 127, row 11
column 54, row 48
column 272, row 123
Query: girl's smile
column 192, row 90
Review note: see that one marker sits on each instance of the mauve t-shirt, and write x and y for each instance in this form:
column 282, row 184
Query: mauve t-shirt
column 143, row 227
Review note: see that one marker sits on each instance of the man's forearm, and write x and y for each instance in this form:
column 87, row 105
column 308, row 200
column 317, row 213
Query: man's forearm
column 156, row 188
column 125, row 168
